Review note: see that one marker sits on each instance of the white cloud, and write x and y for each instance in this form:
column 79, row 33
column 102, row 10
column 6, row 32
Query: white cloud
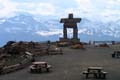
column 44, row 9
column 116, row 2
column 13, row 29
column 59, row 32
column 7, row 8
column 85, row 5
column 106, row 9
column 82, row 30
column 37, row 8
column 50, row 33
column 72, row 10
column 2, row 20
column 94, row 9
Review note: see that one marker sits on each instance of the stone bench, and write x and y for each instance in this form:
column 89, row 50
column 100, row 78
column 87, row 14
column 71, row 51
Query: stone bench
column 11, row 68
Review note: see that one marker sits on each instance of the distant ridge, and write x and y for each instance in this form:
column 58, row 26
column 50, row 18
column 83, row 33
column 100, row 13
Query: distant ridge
column 27, row 27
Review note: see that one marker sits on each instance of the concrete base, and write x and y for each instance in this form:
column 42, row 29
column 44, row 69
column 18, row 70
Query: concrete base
column 70, row 40
column 75, row 40
column 64, row 40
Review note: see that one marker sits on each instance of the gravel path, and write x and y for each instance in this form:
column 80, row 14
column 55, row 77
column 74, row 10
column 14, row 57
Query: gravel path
column 70, row 65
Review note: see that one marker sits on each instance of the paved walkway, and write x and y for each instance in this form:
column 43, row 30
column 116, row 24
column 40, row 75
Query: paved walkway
column 70, row 65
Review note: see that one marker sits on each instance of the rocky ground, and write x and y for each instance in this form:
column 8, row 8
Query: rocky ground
column 70, row 65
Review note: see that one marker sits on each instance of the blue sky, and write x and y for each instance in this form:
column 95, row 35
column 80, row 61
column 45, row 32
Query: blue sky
column 105, row 10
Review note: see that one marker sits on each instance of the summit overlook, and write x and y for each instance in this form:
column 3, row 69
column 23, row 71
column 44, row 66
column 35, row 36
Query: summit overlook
column 39, row 19
column 40, row 29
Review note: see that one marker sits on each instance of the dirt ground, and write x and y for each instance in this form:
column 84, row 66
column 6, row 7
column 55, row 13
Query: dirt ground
column 70, row 65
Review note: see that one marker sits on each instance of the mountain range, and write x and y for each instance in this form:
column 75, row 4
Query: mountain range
column 30, row 28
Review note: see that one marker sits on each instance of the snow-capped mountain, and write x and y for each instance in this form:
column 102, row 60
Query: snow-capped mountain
column 27, row 27
column 101, row 31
